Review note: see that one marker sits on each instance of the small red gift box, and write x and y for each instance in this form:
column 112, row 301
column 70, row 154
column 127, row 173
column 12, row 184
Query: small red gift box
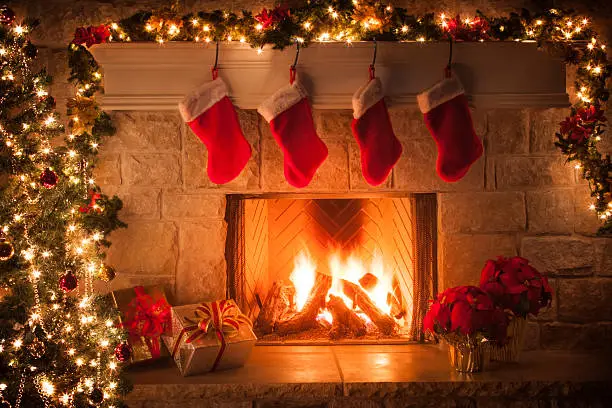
column 145, row 315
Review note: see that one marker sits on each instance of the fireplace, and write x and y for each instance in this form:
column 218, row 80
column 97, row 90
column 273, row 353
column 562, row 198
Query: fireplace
column 354, row 269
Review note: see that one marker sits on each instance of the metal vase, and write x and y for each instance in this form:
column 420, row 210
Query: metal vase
column 510, row 352
column 468, row 358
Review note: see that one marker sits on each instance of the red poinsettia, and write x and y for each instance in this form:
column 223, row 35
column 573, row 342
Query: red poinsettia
column 581, row 125
column 515, row 285
column 474, row 29
column 91, row 35
column 466, row 310
column 268, row 18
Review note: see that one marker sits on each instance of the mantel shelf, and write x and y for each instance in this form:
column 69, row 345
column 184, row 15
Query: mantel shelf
column 149, row 76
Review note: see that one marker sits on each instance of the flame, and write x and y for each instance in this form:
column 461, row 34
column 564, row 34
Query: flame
column 303, row 277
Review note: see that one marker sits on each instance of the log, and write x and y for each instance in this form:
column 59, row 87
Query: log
column 306, row 318
column 346, row 323
column 279, row 302
column 384, row 322
column 368, row 281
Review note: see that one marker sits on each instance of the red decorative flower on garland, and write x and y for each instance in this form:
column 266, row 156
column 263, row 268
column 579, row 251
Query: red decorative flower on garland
column 267, row 18
column 516, row 285
column 579, row 127
column 91, row 35
column 467, row 311
column 92, row 203
column 474, row 29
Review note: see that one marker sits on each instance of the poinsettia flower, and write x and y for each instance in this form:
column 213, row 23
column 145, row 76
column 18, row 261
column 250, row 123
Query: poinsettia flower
column 91, row 35
column 267, row 18
column 590, row 115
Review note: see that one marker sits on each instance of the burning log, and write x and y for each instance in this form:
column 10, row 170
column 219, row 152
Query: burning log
column 306, row 318
column 345, row 320
column 278, row 303
column 384, row 322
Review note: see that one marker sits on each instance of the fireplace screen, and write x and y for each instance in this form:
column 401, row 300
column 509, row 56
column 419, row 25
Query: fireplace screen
column 332, row 269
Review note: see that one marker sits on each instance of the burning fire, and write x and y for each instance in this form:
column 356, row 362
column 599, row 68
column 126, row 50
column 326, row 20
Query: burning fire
column 374, row 279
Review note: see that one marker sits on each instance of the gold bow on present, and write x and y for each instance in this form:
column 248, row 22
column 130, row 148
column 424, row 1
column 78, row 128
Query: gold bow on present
column 223, row 318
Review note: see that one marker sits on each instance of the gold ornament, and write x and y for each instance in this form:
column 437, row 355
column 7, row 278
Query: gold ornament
column 7, row 250
column 37, row 348
column 372, row 15
column 106, row 273
column 82, row 113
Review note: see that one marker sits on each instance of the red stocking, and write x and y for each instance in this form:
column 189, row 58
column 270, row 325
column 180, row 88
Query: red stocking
column 448, row 119
column 290, row 118
column 379, row 147
column 210, row 114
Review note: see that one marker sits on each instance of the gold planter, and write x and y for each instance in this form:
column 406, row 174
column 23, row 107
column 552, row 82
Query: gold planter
column 468, row 358
column 511, row 352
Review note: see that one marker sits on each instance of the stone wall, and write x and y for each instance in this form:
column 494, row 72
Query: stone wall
column 519, row 199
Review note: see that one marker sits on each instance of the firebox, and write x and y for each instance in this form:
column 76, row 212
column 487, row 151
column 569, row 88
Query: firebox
column 321, row 269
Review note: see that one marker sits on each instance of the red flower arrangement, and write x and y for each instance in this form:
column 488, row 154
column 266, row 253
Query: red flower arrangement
column 475, row 29
column 268, row 18
column 91, row 35
column 579, row 127
column 466, row 314
column 515, row 285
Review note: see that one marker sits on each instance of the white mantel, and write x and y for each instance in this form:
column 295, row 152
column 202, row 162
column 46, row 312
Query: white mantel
column 149, row 76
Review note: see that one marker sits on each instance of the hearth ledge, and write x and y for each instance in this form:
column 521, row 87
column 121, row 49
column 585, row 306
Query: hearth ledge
column 374, row 376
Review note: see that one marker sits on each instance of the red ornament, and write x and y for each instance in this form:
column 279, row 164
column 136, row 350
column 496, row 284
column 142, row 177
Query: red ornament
column 48, row 178
column 68, row 282
column 123, row 352
column 7, row 16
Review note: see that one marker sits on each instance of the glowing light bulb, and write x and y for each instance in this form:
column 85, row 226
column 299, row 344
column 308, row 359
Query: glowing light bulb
column 404, row 29
column 17, row 344
column 79, row 362
column 421, row 39
column 307, row 25
column 259, row 51
column 47, row 388
column 195, row 22
column 259, row 27
column 19, row 30
column 112, row 365
column 49, row 121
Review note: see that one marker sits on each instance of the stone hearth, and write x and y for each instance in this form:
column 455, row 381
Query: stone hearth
column 376, row 377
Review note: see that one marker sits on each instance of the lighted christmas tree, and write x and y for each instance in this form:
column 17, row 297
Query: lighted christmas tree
column 60, row 343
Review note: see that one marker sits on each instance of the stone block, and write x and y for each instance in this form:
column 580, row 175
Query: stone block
column 543, row 125
column 568, row 336
column 108, row 170
column 141, row 203
column 482, row 212
column 146, row 131
column 585, row 300
column 560, row 255
column 145, row 248
column 586, row 221
column 332, row 175
column 152, row 169
column 195, row 158
column 201, row 273
column 603, row 251
column 517, row 172
column 184, row 206
column 416, row 170
column 550, row 313
column 508, row 132
column 551, row 211
column 408, row 123
column 532, row 336
column 331, row 124
column 464, row 255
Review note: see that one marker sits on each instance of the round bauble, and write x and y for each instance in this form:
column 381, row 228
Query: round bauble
column 68, row 282
column 96, row 396
column 48, row 178
column 123, row 352
column 7, row 250
column 106, row 273
column 37, row 348
column 7, row 16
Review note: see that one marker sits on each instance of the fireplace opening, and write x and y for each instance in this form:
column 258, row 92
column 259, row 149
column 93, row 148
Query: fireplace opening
column 319, row 269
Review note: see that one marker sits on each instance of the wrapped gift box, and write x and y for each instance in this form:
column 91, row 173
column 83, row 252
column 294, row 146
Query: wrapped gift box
column 145, row 315
column 209, row 337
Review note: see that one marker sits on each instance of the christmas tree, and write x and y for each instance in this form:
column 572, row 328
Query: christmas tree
column 60, row 343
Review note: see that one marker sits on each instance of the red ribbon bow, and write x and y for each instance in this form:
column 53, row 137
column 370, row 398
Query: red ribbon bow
column 91, row 35
column 148, row 319
column 223, row 317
